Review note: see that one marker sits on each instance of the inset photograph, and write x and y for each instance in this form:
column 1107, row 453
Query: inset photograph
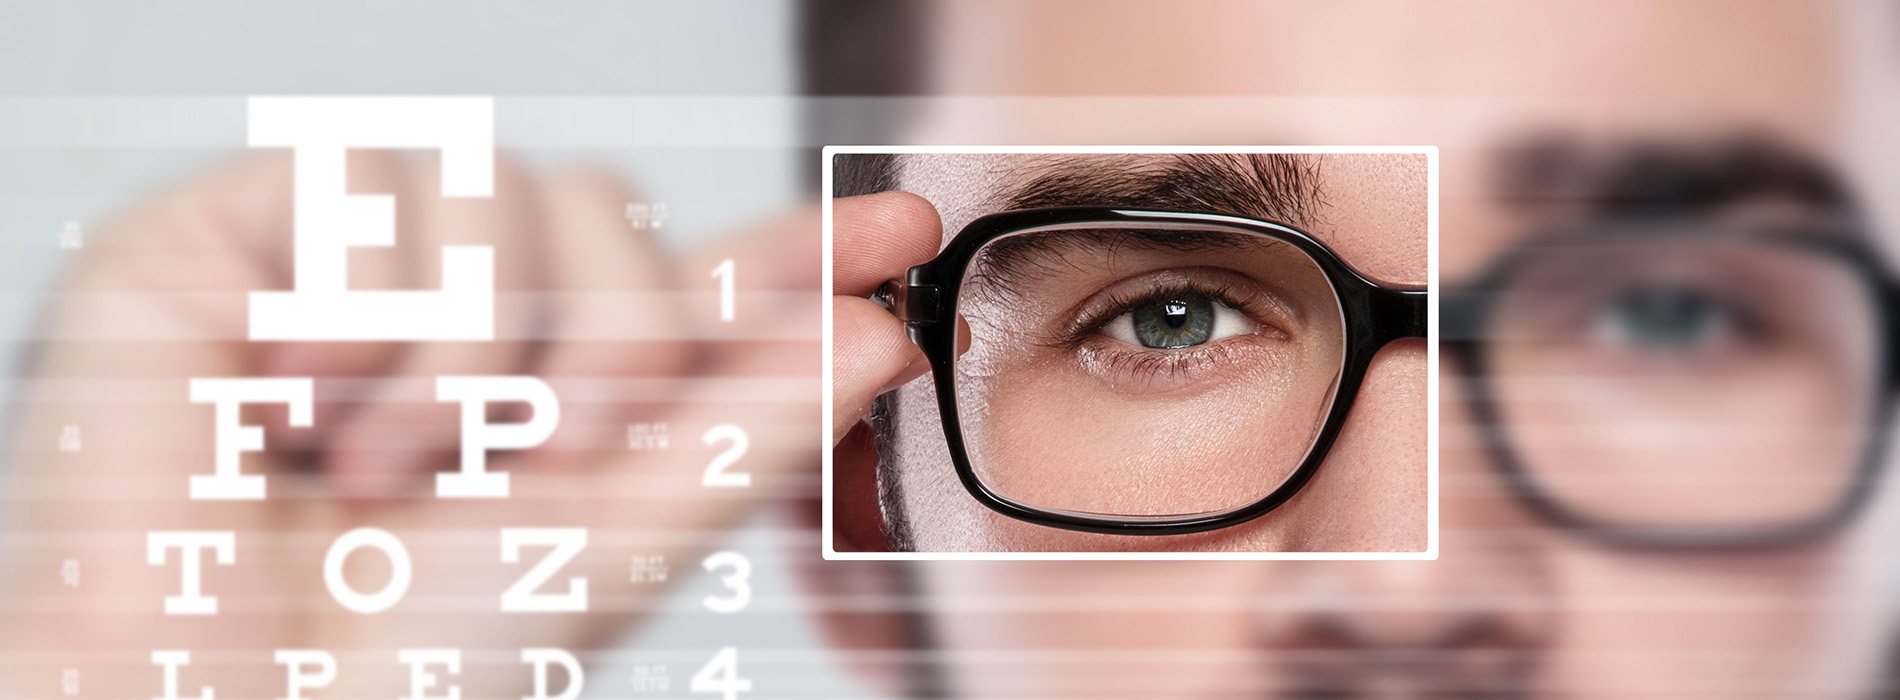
column 1131, row 353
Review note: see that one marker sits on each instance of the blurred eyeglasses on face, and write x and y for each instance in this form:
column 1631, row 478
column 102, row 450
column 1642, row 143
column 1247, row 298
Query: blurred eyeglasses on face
column 1134, row 371
column 1684, row 382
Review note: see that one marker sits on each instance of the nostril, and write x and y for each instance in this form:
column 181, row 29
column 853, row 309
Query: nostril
column 1330, row 655
column 1344, row 645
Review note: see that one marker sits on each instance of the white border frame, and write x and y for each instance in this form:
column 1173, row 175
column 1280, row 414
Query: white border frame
column 1431, row 355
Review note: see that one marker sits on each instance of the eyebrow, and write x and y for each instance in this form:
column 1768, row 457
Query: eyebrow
column 1679, row 178
column 1015, row 261
column 1283, row 188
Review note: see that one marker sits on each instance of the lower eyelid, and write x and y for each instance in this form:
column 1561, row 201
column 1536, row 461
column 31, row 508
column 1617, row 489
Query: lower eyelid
column 1145, row 371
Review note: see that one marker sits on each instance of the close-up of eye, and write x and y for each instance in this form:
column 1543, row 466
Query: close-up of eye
column 1667, row 320
column 1178, row 320
column 1205, row 348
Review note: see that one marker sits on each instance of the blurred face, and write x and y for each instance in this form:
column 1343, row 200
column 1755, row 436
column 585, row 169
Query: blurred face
column 1516, row 604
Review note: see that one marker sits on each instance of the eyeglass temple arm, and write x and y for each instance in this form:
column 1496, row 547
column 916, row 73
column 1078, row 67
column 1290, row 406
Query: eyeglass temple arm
column 1401, row 312
column 1890, row 298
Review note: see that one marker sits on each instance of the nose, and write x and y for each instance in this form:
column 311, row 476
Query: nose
column 1473, row 624
column 1412, row 605
column 1476, row 622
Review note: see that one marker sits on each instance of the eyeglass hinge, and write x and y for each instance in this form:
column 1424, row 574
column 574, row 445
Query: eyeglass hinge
column 920, row 303
column 912, row 303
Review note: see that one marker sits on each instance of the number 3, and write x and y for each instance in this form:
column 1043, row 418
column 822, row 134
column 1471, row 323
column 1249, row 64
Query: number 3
column 735, row 582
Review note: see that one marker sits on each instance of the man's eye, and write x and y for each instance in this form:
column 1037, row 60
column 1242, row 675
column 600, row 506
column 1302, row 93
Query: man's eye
column 1666, row 320
column 1177, row 321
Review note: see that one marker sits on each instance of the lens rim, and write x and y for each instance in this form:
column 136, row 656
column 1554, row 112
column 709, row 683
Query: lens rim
column 1374, row 314
column 1469, row 310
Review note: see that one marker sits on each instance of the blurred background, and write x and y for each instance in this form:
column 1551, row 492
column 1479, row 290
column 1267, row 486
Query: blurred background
column 105, row 104
column 716, row 109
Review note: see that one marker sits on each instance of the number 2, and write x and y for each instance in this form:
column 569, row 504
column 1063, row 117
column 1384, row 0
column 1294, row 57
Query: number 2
column 716, row 476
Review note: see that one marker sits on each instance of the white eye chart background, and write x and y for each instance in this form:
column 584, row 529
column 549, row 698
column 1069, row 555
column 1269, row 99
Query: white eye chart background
column 99, row 131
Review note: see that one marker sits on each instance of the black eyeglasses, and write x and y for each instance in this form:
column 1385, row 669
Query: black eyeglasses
column 1683, row 383
column 1129, row 371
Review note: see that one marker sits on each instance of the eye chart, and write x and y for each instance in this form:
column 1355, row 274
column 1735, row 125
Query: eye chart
column 380, row 409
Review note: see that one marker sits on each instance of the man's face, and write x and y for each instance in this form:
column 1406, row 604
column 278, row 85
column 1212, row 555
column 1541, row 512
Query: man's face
column 1514, row 604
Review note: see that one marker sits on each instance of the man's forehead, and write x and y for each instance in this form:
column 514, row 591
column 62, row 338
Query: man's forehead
column 1465, row 81
column 1724, row 51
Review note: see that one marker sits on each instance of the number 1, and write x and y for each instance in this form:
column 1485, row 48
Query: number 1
column 724, row 273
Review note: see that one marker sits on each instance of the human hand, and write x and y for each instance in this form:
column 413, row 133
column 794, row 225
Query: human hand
column 875, row 238
column 623, row 332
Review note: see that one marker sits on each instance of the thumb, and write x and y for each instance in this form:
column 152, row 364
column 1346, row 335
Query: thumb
column 870, row 355
column 874, row 239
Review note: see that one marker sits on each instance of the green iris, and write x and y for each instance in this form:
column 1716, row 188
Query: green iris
column 1176, row 321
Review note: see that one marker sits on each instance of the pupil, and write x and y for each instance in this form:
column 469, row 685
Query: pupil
column 1176, row 314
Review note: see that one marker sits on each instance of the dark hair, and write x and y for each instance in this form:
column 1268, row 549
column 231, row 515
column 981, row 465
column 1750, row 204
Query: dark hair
column 853, row 55
column 854, row 174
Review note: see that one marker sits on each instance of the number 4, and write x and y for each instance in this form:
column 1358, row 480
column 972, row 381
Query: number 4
column 721, row 675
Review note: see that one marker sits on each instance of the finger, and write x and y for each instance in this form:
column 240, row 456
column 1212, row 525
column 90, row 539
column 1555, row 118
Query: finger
column 869, row 355
column 402, row 433
column 775, row 271
column 669, row 492
column 775, row 262
column 877, row 237
column 153, row 300
column 762, row 379
column 616, row 320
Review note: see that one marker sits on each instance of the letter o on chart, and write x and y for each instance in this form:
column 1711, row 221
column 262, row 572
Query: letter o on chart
column 400, row 570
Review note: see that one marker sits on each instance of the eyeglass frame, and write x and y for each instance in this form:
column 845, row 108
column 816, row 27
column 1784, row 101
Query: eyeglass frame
column 1374, row 315
column 1466, row 313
